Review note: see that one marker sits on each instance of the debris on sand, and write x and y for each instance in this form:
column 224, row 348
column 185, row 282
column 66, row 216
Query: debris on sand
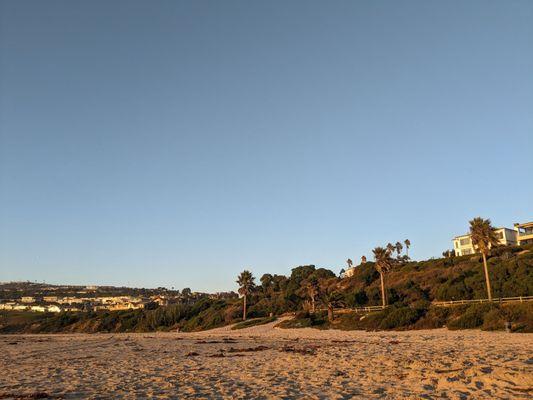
column 306, row 350
column 247, row 349
column 207, row 342
column 26, row 396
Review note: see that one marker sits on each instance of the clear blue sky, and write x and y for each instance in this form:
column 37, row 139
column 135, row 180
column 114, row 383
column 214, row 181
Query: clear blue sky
column 176, row 143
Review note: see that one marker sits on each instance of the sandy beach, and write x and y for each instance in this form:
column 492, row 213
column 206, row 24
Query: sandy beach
column 267, row 363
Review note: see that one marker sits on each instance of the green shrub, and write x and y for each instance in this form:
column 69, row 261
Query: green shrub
column 400, row 318
column 472, row 318
column 520, row 315
column 295, row 323
column 494, row 320
column 435, row 317
column 253, row 322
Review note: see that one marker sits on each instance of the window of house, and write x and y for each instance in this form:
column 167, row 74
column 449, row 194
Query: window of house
column 465, row 242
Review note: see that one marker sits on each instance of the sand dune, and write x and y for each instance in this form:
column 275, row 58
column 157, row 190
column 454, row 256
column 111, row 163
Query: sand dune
column 266, row 363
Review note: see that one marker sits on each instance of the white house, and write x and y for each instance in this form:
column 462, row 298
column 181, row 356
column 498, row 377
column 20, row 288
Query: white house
column 524, row 232
column 463, row 244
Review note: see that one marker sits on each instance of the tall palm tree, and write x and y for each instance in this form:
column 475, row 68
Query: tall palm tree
column 483, row 236
column 383, row 265
column 390, row 248
column 349, row 262
column 399, row 247
column 407, row 243
column 246, row 286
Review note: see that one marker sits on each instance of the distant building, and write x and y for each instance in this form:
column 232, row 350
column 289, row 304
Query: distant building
column 28, row 299
column 463, row 244
column 349, row 272
column 524, row 233
column 7, row 306
column 161, row 300
column 50, row 299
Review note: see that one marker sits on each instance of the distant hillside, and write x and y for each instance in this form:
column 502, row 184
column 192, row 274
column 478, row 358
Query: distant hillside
column 511, row 272
column 410, row 287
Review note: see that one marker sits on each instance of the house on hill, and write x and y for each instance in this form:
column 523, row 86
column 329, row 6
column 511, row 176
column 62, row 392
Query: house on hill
column 463, row 244
column 524, row 232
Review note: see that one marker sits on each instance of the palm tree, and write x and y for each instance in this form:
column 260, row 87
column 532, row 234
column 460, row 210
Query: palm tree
column 363, row 259
column 390, row 248
column 407, row 243
column 349, row 262
column 483, row 237
column 399, row 247
column 383, row 265
column 246, row 286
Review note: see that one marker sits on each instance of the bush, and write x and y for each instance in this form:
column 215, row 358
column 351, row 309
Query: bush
column 472, row 318
column 305, row 319
column 520, row 315
column 356, row 299
column 253, row 322
column 295, row 323
column 400, row 318
column 435, row 317
column 494, row 320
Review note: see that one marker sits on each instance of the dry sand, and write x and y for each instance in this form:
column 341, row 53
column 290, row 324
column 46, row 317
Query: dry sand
column 266, row 363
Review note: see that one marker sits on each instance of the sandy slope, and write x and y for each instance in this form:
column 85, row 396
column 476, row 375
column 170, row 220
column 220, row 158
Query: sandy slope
column 304, row 363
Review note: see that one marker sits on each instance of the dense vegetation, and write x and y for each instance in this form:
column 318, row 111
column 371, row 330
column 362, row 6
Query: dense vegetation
column 410, row 288
column 422, row 315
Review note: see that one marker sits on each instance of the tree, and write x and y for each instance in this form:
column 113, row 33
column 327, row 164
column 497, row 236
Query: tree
column 330, row 295
column 399, row 247
column 349, row 262
column 448, row 253
column 363, row 260
column 383, row 265
column 267, row 284
column 483, row 236
column 390, row 248
column 246, row 286
column 312, row 288
column 407, row 243
column 186, row 294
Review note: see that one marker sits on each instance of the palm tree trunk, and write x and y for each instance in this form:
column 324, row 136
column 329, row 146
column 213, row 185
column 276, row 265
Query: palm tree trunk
column 313, row 304
column 383, row 300
column 244, row 308
column 487, row 280
column 330, row 312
